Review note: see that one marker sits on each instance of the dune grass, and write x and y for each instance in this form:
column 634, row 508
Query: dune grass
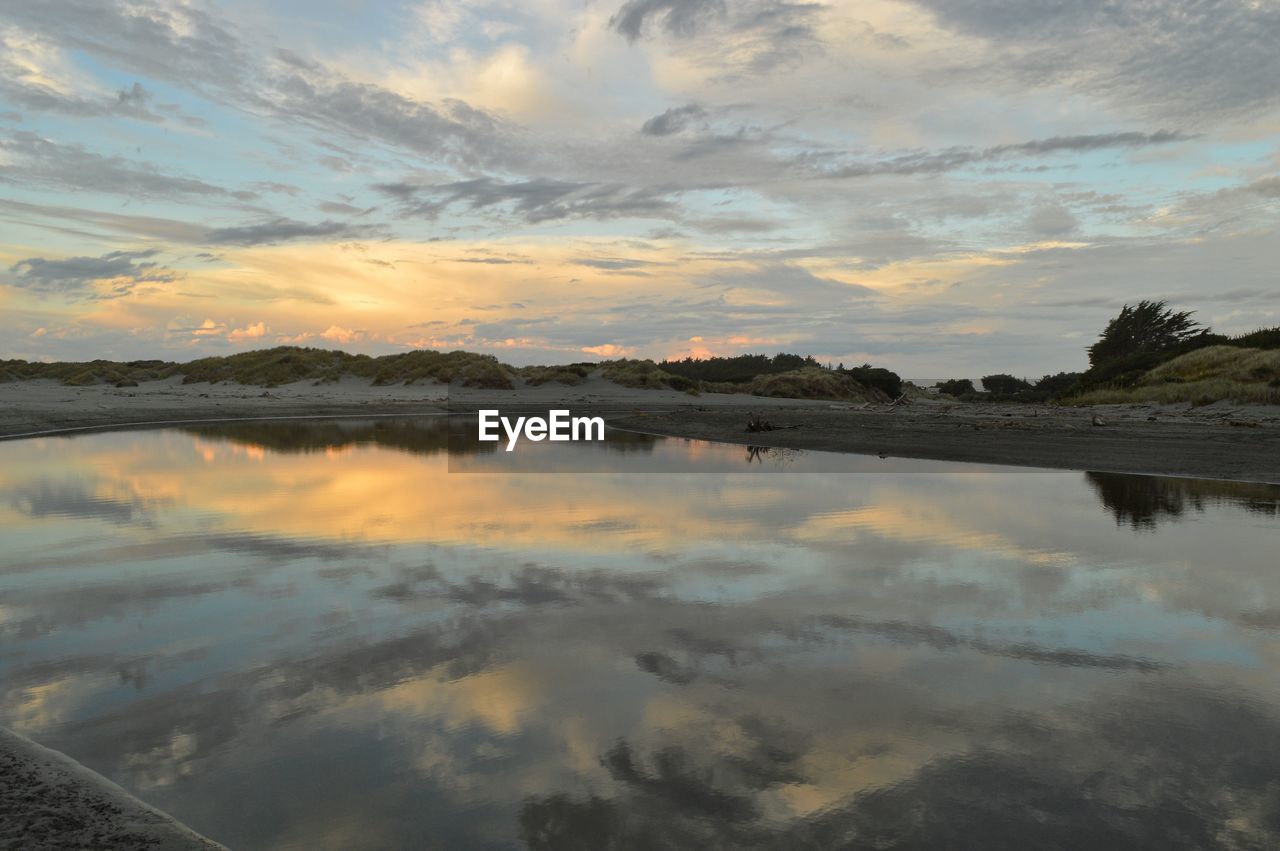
column 82, row 373
column 280, row 365
column 645, row 374
column 815, row 383
column 1211, row 374
column 289, row 364
column 573, row 373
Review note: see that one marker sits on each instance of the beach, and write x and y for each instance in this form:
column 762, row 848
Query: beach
column 1221, row 441
column 50, row 801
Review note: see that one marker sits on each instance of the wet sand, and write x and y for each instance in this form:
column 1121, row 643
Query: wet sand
column 1218, row 441
column 49, row 801
column 1222, row 441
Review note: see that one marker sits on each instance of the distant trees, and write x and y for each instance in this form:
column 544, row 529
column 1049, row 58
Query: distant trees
column 956, row 387
column 1148, row 326
column 873, row 376
column 1057, row 386
column 743, row 369
column 1004, row 385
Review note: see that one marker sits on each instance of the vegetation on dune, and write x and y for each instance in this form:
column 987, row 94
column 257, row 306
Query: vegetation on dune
column 271, row 367
column 573, row 373
column 1004, row 385
column 812, row 382
column 1152, row 354
column 1147, row 353
column 645, row 374
column 1200, row 377
column 741, row 369
column 467, row 368
column 957, row 387
column 280, row 365
column 1148, row 326
column 802, row 377
column 887, row 382
column 750, row 373
column 82, row 373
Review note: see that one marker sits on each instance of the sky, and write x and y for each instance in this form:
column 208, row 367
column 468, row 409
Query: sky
column 941, row 187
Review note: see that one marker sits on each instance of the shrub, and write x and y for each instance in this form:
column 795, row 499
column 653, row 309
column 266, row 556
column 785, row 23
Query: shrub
column 956, row 387
column 882, row 379
column 1004, row 385
column 1053, row 386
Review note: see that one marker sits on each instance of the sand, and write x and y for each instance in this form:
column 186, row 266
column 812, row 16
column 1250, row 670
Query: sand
column 1218, row 441
column 1222, row 441
column 50, row 801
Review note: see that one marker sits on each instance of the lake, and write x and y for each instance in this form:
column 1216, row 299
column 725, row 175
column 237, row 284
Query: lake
column 378, row 633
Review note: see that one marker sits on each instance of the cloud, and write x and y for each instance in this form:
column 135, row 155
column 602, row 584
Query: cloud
column 285, row 230
column 40, row 161
column 338, row 334
column 673, row 120
column 537, row 200
column 752, row 37
column 1049, row 220
column 925, row 162
column 609, row 350
column 675, row 17
column 186, row 45
column 1166, row 57
column 121, row 271
column 250, row 332
column 1267, row 187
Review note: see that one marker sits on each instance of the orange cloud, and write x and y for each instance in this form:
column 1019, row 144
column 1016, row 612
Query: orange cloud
column 252, row 332
column 609, row 350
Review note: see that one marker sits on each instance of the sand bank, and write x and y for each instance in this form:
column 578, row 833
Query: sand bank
column 1222, row 441
column 50, row 801
column 1218, row 441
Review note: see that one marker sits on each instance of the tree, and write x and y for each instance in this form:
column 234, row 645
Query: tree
column 1004, row 385
column 956, row 387
column 1148, row 326
column 1053, row 386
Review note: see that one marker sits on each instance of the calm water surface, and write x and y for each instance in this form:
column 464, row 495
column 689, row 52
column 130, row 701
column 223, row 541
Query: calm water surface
column 336, row 635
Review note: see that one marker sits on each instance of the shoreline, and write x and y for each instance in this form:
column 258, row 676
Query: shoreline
column 1065, row 439
column 1220, row 441
column 76, row 807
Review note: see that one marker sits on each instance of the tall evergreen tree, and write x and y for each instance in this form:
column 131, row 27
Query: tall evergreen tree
column 1148, row 326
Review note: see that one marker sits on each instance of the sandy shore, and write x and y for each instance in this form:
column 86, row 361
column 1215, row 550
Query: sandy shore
column 1216, row 441
column 50, row 801
column 1221, row 441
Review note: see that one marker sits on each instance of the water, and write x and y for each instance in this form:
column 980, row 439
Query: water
column 309, row 636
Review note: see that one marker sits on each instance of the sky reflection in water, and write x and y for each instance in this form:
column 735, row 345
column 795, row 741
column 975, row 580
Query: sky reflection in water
column 313, row 635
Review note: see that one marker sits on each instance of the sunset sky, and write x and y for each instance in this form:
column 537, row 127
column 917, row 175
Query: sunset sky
column 936, row 186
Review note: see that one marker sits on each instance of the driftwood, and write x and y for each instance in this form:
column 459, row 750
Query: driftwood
column 755, row 424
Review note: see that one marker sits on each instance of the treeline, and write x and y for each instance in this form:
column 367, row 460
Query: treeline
column 1003, row 387
column 741, row 371
column 1139, row 339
